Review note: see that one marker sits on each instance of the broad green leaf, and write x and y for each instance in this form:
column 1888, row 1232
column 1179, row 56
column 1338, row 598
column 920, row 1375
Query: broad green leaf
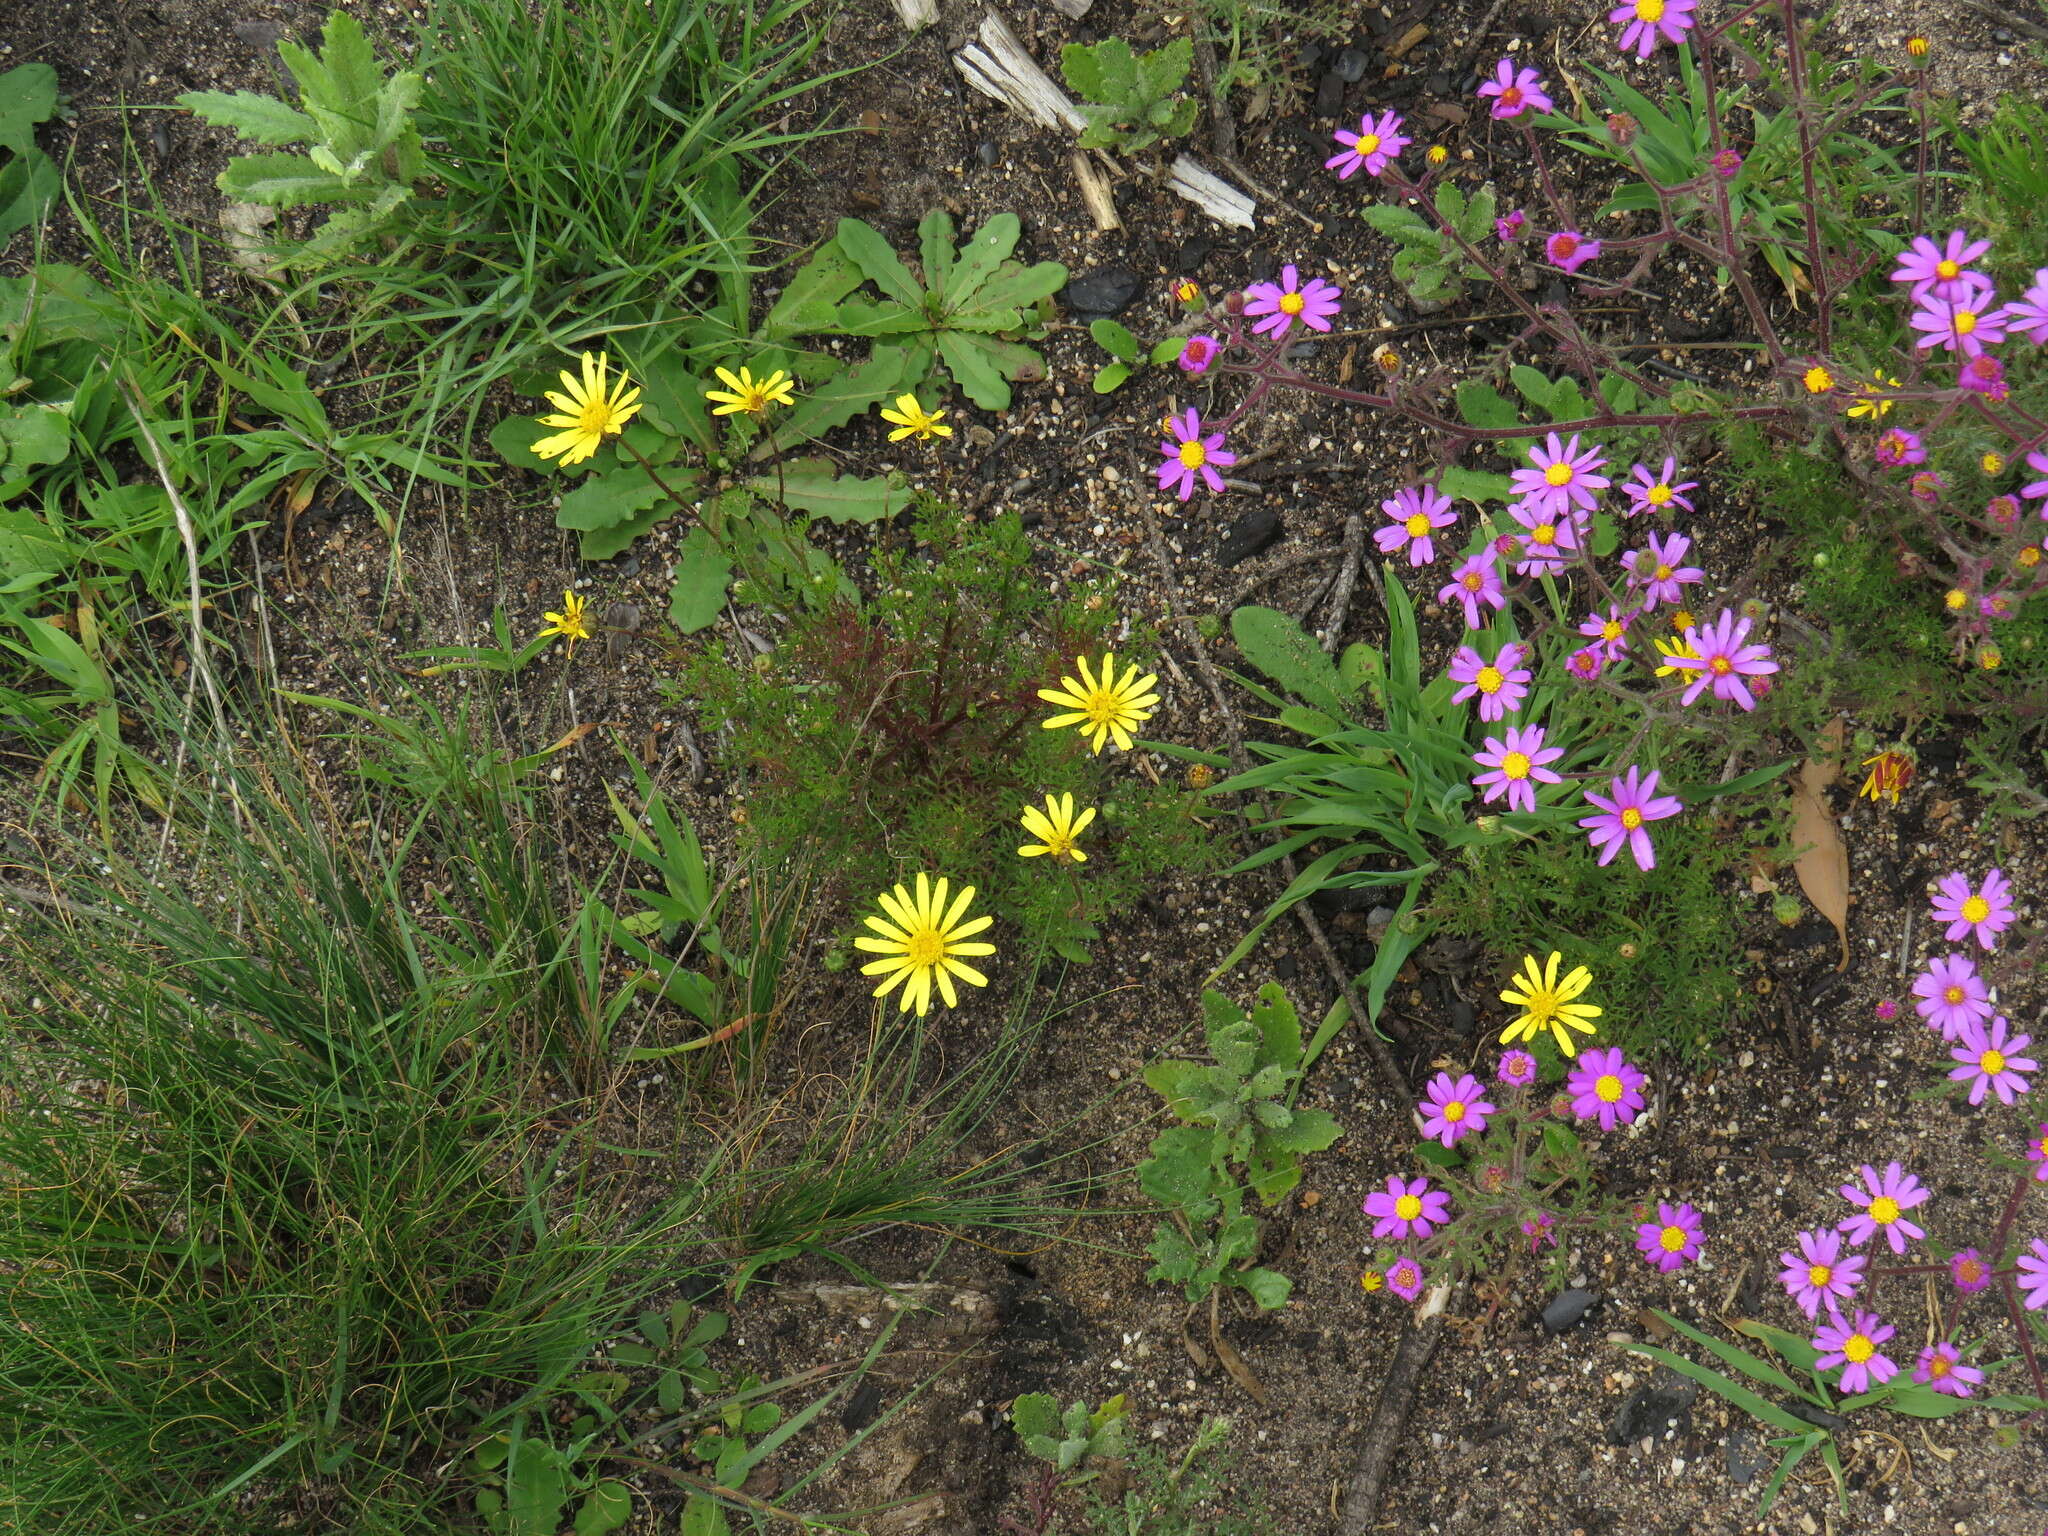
column 607, row 499
column 1165, row 70
column 1278, row 646
column 1002, row 301
column 1168, row 350
column 1473, row 485
column 33, row 434
column 260, row 119
column 982, row 255
column 29, row 184
column 604, row 543
column 810, row 303
column 935, row 249
column 1269, row 1288
column 1111, row 376
column 284, row 181
column 28, row 95
column 513, row 439
column 972, row 360
column 1179, row 1173
column 816, row 486
column 702, row 575
column 1116, row 340
column 607, row 1507
column 1484, row 406
column 865, row 247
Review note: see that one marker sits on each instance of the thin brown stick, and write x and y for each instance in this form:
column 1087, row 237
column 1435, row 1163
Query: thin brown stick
column 1419, row 1339
column 1347, row 580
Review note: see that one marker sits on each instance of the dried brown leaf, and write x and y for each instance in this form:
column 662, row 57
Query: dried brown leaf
column 1822, row 863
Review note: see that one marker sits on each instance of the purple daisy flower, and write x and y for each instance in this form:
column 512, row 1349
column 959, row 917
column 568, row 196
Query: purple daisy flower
column 1564, row 476
column 1404, row 1210
column 1570, row 250
column 1885, row 1202
column 1991, row 1061
column 1289, row 300
column 1500, row 685
column 1515, row 90
column 1404, row 1278
column 1951, row 994
column 1673, row 1239
column 1853, row 1346
column 1727, row 163
column 1721, row 659
column 2028, row 314
column 1645, row 23
column 1984, row 375
column 1453, row 1107
column 1476, row 581
column 2038, row 462
column 1654, row 493
column 1969, row 1271
column 1550, row 536
column 1941, row 1367
column 1940, row 270
column 1983, row 913
column 1372, row 147
column 1418, row 511
column 1509, row 226
column 1197, row 353
column 2037, row 1152
column 1965, row 324
column 2032, row 1275
column 1518, row 1070
column 1516, row 766
column 1659, row 572
column 1896, row 446
column 1190, row 454
column 1608, row 631
column 1538, row 1229
column 1604, row 1087
column 1625, row 818
column 1820, row 1272
column 1586, row 664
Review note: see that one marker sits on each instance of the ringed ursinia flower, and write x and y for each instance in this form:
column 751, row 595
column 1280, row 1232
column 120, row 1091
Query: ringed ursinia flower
column 1103, row 705
column 1546, row 1003
column 586, row 414
column 921, row 940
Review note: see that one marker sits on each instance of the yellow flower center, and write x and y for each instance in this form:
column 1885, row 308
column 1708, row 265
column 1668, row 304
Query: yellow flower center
column 1193, row 455
column 1720, row 666
column 1859, row 1348
column 1454, row 1111
column 1417, row 525
column 1631, row 818
column 1657, row 495
column 1884, row 1210
column 596, row 415
column 1663, row 573
column 1818, row 1275
column 925, row 946
column 1059, row 844
column 1947, row 271
column 1819, row 381
column 1472, row 581
column 1611, row 630
column 1671, row 1239
column 1489, row 680
column 1545, row 533
column 1558, row 474
column 1966, row 321
column 1408, row 1207
column 1291, row 303
column 1970, row 1271
column 1511, row 97
column 1976, row 909
column 1952, row 995
column 1368, row 142
column 1651, row 11
column 1938, row 1367
column 1991, row 1063
column 1515, row 765
column 1608, row 1088
column 1102, row 707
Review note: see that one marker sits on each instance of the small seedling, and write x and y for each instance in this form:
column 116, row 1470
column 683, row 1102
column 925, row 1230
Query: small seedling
column 1131, row 100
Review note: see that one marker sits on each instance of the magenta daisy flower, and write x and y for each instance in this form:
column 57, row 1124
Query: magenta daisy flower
column 1500, row 685
column 1586, row 664
column 1604, row 1087
column 1820, row 1272
column 1197, row 353
column 1515, row 90
column 1659, row 572
column 1551, row 535
column 1984, row 913
column 1896, row 446
column 1289, row 300
column 1951, row 994
column 1965, row 324
column 1885, row 1202
column 1475, row 582
column 2028, row 314
column 1969, row 1271
column 1624, row 819
column 1570, row 250
column 1853, row 1346
column 1372, row 147
column 1645, row 23
column 1608, row 631
column 1991, row 1061
column 1654, row 493
column 1984, row 375
column 1404, row 1278
column 1453, row 1107
column 1941, row 1367
column 2032, row 1275
column 1190, row 454
column 2037, row 1153
column 1673, row 1239
column 1518, row 1070
column 2038, row 462
column 1539, row 1230
column 1564, row 476
column 1727, row 163
column 1939, row 270
column 1515, row 766
column 1509, row 226
column 1404, row 1210
column 1418, row 511
column 1721, row 660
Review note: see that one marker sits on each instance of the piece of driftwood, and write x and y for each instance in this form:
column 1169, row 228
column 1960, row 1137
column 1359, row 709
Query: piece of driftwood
column 1210, row 192
column 917, row 14
column 1390, row 1414
column 1095, row 193
column 998, row 65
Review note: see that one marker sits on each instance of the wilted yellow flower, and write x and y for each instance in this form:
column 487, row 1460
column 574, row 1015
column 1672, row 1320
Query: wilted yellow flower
column 1916, row 45
column 1102, row 705
column 747, row 394
column 1992, row 463
column 1955, row 599
column 1682, row 619
column 1818, row 380
column 585, row 413
column 1890, row 771
column 2028, row 558
column 1187, row 290
column 572, row 623
column 1990, row 657
column 1870, row 398
column 912, row 420
column 1436, row 154
column 1057, row 829
column 1372, row 1280
column 921, row 939
column 1546, row 1003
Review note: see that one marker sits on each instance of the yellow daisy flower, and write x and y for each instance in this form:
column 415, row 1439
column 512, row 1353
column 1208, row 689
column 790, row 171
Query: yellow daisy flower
column 912, row 420
column 920, row 940
column 1546, row 1003
column 747, row 394
column 1870, row 398
column 572, row 623
column 1818, row 380
column 1057, row 829
column 1670, row 648
column 1103, row 706
column 586, row 414
column 1890, row 771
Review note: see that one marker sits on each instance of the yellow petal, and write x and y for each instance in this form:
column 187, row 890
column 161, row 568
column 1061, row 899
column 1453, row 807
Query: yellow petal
column 945, row 981
column 1032, row 850
column 968, row 929
column 966, row 973
column 928, row 904
column 1072, row 698
column 1081, row 821
column 1035, row 823
column 952, row 922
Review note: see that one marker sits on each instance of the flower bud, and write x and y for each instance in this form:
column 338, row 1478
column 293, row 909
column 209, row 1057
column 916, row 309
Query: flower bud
column 1787, row 910
column 1622, row 128
column 1233, row 304
column 1201, row 776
